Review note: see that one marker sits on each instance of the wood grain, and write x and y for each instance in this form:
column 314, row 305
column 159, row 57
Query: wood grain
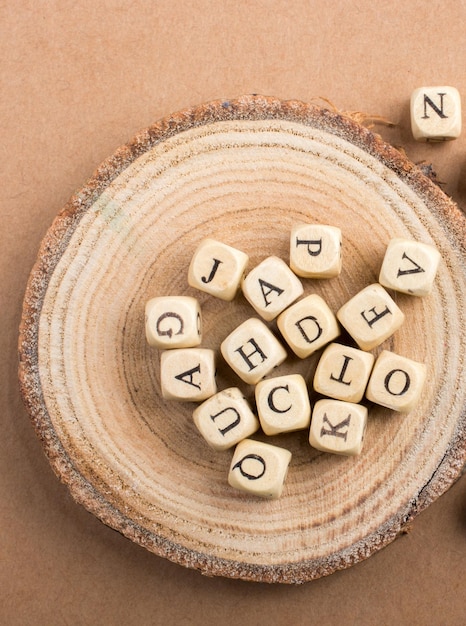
column 243, row 172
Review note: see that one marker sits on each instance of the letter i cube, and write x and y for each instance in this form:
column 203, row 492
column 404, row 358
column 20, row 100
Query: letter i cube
column 217, row 269
column 315, row 250
column 259, row 468
column 173, row 322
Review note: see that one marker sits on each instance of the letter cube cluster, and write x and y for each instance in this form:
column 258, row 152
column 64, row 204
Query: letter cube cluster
column 345, row 377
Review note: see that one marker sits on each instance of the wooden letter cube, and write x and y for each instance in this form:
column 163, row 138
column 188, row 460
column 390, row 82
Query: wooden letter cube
column 270, row 287
column 225, row 419
column 371, row 316
column 338, row 427
column 283, row 404
column 343, row 372
column 409, row 267
column 252, row 350
column 188, row 374
column 435, row 113
column 396, row 382
column 217, row 269
column 173, row 322
column 315, row 250
column 308, row 325
column 259, row 468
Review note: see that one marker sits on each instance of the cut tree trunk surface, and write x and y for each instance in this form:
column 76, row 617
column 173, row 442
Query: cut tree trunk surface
column 242, row 172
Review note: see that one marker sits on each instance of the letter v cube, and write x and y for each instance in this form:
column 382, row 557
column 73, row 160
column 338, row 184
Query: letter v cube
column 409, row 267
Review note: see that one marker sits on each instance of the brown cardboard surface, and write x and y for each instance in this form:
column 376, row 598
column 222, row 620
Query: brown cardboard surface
column 78, row 80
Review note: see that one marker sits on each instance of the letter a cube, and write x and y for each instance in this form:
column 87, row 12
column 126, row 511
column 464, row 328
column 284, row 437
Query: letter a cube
column 188, row 374
column 308, row 325
column 270, row 287
column 259, row 468
column 435, row 113
column 338, row 427
column 225, row 419
column 252, row 351
column 409, row 267
column 315, row 250
column 217, row 269
column 173, row 322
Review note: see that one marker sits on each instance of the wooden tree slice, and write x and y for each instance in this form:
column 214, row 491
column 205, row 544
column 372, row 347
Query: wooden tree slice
column 242, row 172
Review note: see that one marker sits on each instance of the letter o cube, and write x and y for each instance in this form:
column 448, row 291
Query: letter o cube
column 315, row 250
column 188, row 374
column 259, row 468
column 173, row 322
column 225, row 419
column 338, row 427
column 308, row 325
column 252, row 350
column 217, row 269
column 270, row 287
column 396, row 382
column 283, row 404
column 409, row 267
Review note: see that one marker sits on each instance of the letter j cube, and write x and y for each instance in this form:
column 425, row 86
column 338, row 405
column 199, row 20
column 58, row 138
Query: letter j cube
column 259, row 468
column 188, row 374
column 217, row 269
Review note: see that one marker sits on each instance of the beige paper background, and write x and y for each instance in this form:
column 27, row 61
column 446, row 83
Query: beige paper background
column 78, row 79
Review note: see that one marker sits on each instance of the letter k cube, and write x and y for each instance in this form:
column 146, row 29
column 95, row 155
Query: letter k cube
column 338, row 427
